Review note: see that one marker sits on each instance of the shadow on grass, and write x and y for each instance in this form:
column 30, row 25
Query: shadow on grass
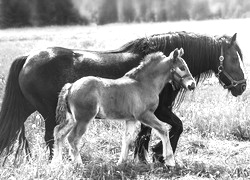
column 95, row 170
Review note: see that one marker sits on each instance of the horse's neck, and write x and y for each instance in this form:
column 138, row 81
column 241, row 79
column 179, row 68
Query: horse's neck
column 201, row 54
column 204, row 61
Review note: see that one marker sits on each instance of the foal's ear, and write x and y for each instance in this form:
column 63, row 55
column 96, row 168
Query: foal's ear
column 176, row 53
column 233, row 39
column 181, row 51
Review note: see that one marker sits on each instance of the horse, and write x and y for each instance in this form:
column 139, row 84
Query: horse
column 35, row 80
column 133, row 97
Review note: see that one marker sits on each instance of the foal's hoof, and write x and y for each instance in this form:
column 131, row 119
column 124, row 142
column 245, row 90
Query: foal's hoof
column 120, row 162
column 170, row 162
column 55, row 163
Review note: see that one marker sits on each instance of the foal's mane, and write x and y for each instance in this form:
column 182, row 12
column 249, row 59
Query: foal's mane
column 201, row 51
column 148, row 62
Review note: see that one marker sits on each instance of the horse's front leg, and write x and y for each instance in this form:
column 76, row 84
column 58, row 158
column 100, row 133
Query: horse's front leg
column 151, row 120
column 170, row 118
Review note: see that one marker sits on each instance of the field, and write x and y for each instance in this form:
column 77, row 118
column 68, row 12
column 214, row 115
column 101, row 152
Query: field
column 215, row 142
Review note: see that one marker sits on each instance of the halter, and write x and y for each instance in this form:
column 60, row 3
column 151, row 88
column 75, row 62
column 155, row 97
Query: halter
column 178, row 76
column 221, row 70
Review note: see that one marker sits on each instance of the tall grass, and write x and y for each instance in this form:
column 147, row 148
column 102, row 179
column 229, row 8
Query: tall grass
column 214, row 143
column 213, row 111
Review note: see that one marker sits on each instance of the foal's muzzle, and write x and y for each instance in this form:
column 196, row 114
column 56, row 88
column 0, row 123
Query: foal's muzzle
column 192, row 86
column 185, row 81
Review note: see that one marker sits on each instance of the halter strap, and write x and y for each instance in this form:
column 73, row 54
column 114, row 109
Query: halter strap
column 222, row 70
column 180, row 78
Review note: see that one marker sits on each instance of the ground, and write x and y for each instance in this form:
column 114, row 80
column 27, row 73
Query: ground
column 214, row 144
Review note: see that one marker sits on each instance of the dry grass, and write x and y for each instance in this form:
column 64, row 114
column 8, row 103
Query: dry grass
column 214, row 144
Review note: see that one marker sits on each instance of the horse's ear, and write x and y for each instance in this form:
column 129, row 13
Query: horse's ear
column 181, row 51
column 233, row 39
column 176, row 53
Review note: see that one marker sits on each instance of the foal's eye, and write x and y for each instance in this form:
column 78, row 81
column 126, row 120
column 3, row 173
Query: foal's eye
column 182, row 68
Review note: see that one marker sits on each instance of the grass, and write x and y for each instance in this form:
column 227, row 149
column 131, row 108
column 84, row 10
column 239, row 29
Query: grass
column 214, row 144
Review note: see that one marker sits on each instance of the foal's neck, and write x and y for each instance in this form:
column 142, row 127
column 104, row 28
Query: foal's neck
column 156, row 79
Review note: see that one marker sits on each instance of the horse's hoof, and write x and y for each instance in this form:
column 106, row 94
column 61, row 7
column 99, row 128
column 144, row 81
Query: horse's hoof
column 158, row 158
column 138, row 160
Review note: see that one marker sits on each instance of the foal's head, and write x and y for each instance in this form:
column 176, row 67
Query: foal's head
column 179, row 71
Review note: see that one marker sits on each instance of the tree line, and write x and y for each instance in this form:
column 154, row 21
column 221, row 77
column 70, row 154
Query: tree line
column 17, row 13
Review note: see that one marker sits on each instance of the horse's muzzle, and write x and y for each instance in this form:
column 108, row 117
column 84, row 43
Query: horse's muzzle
column 238, row 90
column 243, row 87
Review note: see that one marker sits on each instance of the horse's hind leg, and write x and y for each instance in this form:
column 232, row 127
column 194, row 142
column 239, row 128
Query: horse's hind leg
column 74, row 138
column 60, row 132
column 141, row 143
column 151, row 120
column 128, row 137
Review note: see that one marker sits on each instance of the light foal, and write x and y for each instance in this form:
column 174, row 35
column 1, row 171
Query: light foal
column 133, row 97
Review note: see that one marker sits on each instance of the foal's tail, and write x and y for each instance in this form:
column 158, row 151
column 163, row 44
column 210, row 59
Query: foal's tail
column 62, row 104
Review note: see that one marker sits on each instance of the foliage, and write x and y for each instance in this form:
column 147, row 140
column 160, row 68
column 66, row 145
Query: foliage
column 128, row 11
column 16, row 13
column 58, row 12
column 108, row 13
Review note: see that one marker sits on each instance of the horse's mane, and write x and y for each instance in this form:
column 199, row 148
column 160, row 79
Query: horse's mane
column 200, row 50
column 147, row 62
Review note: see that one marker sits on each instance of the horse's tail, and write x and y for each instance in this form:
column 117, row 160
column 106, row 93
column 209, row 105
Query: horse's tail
column 14, row 111
column 62, row 104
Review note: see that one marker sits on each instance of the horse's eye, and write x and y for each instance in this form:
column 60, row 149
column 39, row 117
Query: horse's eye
column 235, row 59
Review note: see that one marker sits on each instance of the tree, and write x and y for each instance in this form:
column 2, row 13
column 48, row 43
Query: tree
column 59, row 12
column 128, row 11
column 14, row 13
column 108, row 13
column 178, row 9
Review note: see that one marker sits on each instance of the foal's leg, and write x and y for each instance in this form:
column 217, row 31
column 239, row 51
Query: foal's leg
column 60, row 132
column 74, row 138
column 151, row 120
column 165, row 114
column 128, row 137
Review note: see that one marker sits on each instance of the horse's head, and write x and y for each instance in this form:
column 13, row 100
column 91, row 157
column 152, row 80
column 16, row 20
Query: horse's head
column 180, row 71
column 230, row 67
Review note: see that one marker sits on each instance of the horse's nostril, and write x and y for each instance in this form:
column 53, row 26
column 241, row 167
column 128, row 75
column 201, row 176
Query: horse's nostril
column 243, row 87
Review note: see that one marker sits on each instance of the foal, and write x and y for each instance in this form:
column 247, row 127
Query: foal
column 133, row 97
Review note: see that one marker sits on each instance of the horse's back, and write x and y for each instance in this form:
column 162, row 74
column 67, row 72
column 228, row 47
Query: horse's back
column 42, row 75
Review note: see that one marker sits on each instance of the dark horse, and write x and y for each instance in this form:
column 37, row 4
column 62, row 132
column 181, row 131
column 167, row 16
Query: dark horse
column 35, row 80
